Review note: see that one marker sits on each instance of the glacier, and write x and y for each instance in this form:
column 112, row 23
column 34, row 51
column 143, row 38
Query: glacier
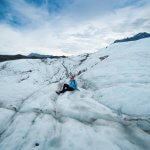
column 111, row 110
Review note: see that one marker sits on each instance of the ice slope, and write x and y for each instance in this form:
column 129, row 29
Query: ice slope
column 111, row 110
column 122, row 80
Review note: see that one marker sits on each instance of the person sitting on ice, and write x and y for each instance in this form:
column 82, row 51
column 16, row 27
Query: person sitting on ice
column 69, row 87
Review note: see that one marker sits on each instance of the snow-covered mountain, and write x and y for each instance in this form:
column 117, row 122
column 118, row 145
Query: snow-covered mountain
column 138, row 36
column 110, row 112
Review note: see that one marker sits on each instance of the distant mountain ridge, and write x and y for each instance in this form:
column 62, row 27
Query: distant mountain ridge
column 30, row 56
column 138, row 36
column 39, row 55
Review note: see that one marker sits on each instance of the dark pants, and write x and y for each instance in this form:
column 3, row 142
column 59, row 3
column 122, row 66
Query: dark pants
column 66, row 87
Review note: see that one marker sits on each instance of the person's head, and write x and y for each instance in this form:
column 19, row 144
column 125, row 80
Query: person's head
column 72, row 77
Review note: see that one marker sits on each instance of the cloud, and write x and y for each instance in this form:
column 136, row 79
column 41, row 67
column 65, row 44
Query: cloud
column 69, row 27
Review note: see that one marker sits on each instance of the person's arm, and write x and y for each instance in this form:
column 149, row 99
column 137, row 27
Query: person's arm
column 76, row 84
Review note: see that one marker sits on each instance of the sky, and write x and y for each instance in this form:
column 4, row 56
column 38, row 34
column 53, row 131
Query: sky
column 68, row 27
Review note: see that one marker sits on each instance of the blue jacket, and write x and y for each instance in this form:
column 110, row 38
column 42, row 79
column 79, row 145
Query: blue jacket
column 73, row 84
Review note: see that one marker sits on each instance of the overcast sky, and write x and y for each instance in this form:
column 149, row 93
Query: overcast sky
column 68, row 27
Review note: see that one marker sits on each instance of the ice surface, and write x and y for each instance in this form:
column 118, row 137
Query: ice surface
column 110, row 110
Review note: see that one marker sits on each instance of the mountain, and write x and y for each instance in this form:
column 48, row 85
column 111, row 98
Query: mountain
column 134, row 38
column 38, row 55
column 110, row 111
column 11, row 57
column 35, row 55
column 31, row 56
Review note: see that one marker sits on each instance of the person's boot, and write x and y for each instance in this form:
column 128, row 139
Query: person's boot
column 57, row 92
